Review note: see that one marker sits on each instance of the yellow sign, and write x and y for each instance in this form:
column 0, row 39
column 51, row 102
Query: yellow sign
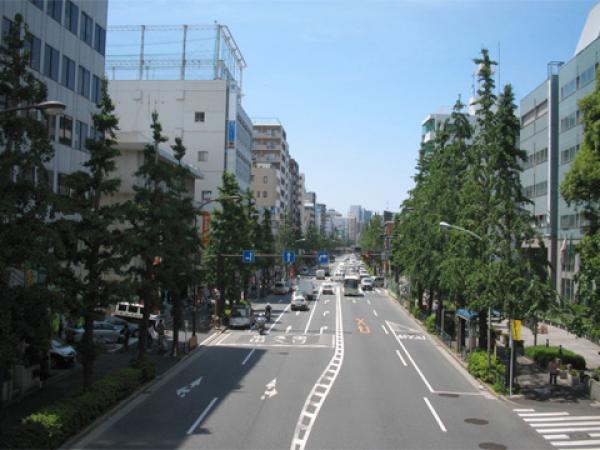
column 516, row 330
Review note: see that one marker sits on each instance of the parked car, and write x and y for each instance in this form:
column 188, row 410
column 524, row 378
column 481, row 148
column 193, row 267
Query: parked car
column 366, row 284
column 328, row 289
column 242, row 316
column 320, row 274
column 280, row 288
column 299, row 302
column 131, row 311
column 121, row 324
column 61, row 353
column 104, row 333
column 378, row 282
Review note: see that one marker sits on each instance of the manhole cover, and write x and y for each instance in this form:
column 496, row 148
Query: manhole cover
column 448, row 395
column 491, row 446
column 474, row 421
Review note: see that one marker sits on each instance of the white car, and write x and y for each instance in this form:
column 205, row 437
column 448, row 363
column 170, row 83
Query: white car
column 299, row 302
column 328, row 289
column 366, row 284
column 61, row 354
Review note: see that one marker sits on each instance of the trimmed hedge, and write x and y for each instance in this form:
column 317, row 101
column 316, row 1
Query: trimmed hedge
column 478, row 366
column 52, row 426
column 542, row 355
column 430, row 323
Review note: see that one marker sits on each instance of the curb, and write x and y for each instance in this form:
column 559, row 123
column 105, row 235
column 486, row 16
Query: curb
column 70, row 443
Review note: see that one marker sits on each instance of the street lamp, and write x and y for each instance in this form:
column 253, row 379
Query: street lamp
column 50, row 107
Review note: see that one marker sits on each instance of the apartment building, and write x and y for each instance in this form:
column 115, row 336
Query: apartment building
column 67, row 48
column 297, row 190
column 271, row 173
column 551, row 133
column 320, row 216
column 309, row 211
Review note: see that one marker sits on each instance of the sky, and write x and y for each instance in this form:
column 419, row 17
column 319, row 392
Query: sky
column 352, row 80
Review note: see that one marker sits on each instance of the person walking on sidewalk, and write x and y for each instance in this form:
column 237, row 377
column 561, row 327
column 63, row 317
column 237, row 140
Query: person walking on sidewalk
column 553, row 368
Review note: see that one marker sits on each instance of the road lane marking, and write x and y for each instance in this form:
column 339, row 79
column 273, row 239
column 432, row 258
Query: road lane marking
column 435, row 415
column 225, row 336
column 326, row 313
column 323, row 328
column 546, row 414
column 271, row 391
column 322, row 387
column 297, row 313
column 568, row 430
column 287, row 329
column 279, row 317
column 375, row 312
column 368, row 301
column 202, row 416
column 564, row 424
column 326, row 301
column 384, row 329
column 557, row 436
column 523, row 409
column 312, row 313
column 560, row 419
column 185, row 390
column 248, row 357
column 362, row 326
column 401, row 358
column 413, row 362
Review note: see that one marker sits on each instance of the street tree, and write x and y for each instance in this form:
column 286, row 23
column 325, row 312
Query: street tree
column 91, row 233
column 29, row 244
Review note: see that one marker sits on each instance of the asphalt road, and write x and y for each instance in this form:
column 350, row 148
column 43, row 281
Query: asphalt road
column 351, row 373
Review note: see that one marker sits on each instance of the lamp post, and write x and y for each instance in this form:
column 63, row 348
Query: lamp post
column 447, row 226
column 50, row 107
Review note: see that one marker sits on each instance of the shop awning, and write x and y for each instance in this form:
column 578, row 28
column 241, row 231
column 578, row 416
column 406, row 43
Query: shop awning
column 466, row 314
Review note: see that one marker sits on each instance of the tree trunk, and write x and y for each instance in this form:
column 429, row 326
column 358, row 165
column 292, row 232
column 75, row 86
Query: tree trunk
column 88, row 352
column 483, row 327
column 176, row 322
column 220, row 286
column 143, row 337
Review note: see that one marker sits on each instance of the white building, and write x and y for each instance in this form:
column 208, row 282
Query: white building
column 67, row 53
column 206, row 114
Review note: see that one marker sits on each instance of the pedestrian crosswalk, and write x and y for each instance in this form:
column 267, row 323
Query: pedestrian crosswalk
column 563, row 430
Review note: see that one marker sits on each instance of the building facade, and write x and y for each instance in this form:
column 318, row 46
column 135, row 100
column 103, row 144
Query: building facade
column 67, row 51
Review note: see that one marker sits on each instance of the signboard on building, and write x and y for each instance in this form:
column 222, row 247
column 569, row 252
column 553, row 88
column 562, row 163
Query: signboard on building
column 231, row 134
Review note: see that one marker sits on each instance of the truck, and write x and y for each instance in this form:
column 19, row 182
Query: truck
column 306, row 287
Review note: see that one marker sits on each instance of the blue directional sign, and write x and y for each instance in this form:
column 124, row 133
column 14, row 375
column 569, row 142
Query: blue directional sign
column 248, row 256
column 288, row 257
column 323, row 258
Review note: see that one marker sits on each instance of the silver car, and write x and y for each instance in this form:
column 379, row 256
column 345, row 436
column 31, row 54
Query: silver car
column 104, row 333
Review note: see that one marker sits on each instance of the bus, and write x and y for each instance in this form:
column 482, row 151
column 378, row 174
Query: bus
column 351, row 285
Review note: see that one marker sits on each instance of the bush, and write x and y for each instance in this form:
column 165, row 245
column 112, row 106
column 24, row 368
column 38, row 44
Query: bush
column 430, row 323
column 478, row 367
column 415, row 310
column 542, row 355
column 52, row 426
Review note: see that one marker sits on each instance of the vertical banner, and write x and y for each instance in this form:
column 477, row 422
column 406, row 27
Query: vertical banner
column 516, row 330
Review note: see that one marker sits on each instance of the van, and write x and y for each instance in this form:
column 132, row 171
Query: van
column 131, row 311
column 320, row 274
column 306, row 287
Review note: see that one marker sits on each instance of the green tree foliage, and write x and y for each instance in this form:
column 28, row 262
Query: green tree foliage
column 581, row 188
column 371, row 241
column 91, row 239
column 266, row 245
column 28, row 241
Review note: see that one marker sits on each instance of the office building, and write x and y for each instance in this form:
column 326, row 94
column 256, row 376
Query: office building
column 67, row 49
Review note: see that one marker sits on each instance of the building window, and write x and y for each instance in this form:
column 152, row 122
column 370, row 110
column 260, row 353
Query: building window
column 567, row 288
column 206, row 195
column 96, row 89
column 51, row 127
column 68, row 73
column 568, row 122
column 6, row 26
column 87, row 30
column 573, row 221
column 51, row 63
column 568, row 155
column 65, row 132
column 536, row 190
column 257, row 194
column 83, row 87
column 54, row 9
column 568, row 89
column 38, row 3
column 199, row 116
column 34, row 47
column 81, row 134
column 264, row 194
column 202, row 156
column 100, row 39
column 265, row 179
column 587, row 76
column 72, row 17
column 539, row 157
column 251, row 178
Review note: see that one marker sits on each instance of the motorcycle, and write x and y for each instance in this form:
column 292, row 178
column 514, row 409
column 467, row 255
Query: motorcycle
column 261, row 320
column 268, row 313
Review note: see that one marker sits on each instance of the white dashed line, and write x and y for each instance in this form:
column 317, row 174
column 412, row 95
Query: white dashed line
column 202, row 416
column 401, row 358
column 384, row 329
column 248, row 357
column 375, row 312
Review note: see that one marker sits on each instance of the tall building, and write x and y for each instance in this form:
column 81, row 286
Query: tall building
column 320, row 216
column 202, row 105
column 309, row 214
column 271, row 181
column 551, row 133
column 297, row 191
column 67, row 49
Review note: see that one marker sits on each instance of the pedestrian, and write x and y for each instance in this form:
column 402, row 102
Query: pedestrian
column 553, row 368
column 160, row 329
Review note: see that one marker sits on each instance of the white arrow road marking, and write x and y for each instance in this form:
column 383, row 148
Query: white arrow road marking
column 353, row 300
column 202, row 416
column 375, row 312
column 297, row 313
column 368, row 301
column 182, row 392
column 326, row 312
column 326, row 301
column 288, row 328
column 323, row 328
column 270, row 391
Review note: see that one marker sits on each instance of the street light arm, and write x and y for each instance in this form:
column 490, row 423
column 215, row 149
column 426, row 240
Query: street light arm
column 51, row 107
column 457, row 228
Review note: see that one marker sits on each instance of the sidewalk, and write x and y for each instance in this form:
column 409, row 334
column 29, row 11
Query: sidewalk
column 65, row 382
column 557, row 336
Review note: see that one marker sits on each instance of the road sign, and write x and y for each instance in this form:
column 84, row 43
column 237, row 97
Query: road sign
column 323, row 258
column 248, row 256
column 288, row 257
